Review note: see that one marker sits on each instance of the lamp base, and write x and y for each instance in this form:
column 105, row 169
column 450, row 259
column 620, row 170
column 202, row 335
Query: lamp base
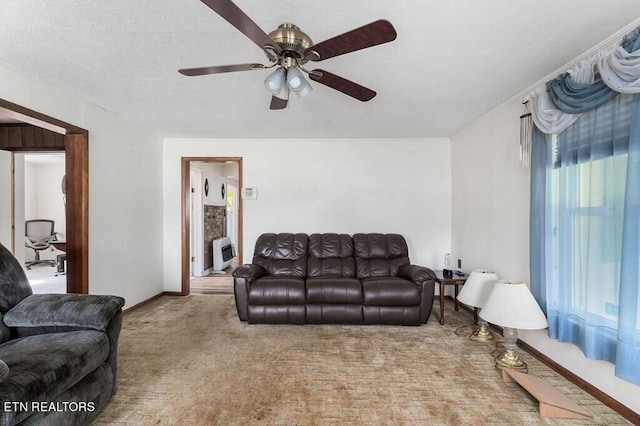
column 510, row 359
column 482, row 334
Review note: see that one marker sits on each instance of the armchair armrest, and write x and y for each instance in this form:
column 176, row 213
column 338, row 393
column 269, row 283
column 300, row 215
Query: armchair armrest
column 417, row 274
column 65, row 310
column 249, row 272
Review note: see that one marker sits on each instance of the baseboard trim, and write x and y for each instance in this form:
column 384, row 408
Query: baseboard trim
column 151, row 299
column 607, row 400
column 173, row 293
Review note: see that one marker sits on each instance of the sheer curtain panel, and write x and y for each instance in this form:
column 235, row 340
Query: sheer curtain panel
column 584, row 233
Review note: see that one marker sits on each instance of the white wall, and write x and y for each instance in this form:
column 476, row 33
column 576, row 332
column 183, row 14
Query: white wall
column 213, row 173
column 344, row 186
column 491, row 228
column 491, row 196
column 125, row 189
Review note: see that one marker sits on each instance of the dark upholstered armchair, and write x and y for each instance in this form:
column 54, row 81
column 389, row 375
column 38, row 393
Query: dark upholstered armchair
column 56, row 350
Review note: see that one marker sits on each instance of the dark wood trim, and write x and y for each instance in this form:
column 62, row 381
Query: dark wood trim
column 76, row 148
column 185, row 209
column 185, row 202
column 151, row 299
column 28, row 116
column 12, row 203
column 143, row 303
column 240, row 210
column 77, row 210
column 29, row 138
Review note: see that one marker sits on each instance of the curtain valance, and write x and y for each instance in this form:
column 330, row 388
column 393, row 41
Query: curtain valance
column 590, row 84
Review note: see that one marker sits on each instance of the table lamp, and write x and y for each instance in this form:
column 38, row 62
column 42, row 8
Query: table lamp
column 474, row 293
column 512, row 306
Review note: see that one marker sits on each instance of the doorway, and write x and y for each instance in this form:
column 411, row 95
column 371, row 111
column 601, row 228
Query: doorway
column 43, row 209
column 211, row 208
column 24, row 130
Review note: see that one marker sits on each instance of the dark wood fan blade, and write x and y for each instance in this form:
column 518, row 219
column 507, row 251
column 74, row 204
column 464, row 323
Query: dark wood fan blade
column 372, row 34
column 191, row 72
column 236, row 17
column 343, row 85
column 277, row 103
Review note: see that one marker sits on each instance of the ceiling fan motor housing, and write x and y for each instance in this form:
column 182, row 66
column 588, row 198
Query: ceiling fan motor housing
column 292, row 41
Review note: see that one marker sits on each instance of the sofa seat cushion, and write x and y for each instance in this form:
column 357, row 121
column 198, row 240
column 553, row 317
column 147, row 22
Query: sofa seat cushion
column 43, row 366
column 390, row 291
column 276, row 314
column 334, row 313
column 334, row 290
column 277, row 290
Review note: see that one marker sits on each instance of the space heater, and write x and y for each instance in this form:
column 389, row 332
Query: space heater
column 222, row 253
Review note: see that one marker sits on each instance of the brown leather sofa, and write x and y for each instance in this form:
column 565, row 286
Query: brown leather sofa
column 333, row 278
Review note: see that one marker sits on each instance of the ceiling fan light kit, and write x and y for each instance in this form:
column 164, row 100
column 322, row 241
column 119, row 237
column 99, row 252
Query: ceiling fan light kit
column 275, row 81
column 289, row 49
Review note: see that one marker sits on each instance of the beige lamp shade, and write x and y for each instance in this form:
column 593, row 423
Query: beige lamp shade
column 511, row 304
column 477, row 287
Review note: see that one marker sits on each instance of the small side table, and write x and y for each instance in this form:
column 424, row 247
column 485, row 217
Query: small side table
column 61, row 258
column 455, row 280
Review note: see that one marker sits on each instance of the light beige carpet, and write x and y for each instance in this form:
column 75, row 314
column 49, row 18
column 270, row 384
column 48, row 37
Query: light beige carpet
column 211, row 284
column 190, row 361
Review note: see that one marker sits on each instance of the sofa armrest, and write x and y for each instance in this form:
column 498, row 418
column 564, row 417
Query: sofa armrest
column 425, row 278
column 417, row 274
column 249, row 272
column 243, row 276
column 65, row 310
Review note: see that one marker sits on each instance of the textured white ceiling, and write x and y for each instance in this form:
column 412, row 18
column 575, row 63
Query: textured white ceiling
column 453, row 60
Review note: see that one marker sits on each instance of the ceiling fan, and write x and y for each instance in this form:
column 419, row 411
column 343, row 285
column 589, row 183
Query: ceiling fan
column 288, row 49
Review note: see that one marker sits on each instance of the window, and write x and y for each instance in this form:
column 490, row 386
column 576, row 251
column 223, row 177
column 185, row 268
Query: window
column 587, row 223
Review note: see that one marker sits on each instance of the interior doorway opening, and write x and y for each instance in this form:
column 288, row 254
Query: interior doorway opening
column 211, row 223
column 43, row 219
column 24, row 130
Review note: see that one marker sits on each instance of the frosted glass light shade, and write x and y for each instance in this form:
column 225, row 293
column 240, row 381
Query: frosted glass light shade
column 297, row 83
column 477, row 287
column 305, row 90
column 275, row 81
column 511, row 304
column 295, row 79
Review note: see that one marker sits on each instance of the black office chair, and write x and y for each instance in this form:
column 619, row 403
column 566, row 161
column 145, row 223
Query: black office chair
column 38, row 234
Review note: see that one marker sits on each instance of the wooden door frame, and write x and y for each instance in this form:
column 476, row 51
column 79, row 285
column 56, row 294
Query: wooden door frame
column 185, row 200
column 76, row 149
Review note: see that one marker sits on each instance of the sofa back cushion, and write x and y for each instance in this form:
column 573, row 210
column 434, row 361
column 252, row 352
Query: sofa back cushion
column 331, row 255
column 14, row 285
column 379, row 255
column 282, row 254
